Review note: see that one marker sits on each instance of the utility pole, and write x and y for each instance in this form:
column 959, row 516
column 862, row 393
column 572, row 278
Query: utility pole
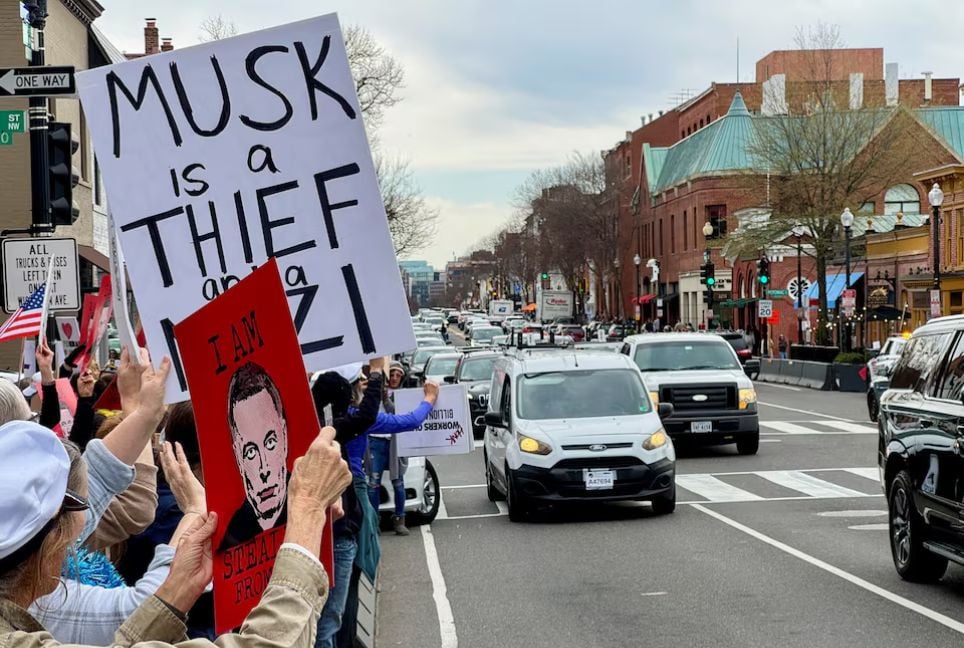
column 39, row 117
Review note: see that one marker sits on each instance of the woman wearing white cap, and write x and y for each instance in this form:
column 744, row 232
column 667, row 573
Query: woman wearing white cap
column 43, row 486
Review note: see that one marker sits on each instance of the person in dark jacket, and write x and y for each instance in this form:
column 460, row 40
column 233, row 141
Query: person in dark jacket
column 356, row 534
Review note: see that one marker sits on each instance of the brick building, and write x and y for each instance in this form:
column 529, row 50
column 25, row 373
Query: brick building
column 691, row 166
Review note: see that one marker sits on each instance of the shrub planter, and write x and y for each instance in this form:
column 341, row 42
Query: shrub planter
column 848, row 377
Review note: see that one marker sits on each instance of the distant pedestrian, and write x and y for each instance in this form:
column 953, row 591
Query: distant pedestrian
column 782, row 346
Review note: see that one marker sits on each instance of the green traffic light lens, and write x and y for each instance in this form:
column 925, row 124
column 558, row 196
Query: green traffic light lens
column 710, row 281
column 764, row 279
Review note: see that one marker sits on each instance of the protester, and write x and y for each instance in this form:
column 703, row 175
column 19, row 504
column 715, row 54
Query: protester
column 782, row 346
column 356, row 535
column 381, row 446
column 38, row 525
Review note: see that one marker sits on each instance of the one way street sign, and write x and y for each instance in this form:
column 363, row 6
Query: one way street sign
column 37, row 81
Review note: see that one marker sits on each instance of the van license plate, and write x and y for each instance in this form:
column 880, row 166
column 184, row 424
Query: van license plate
column 701, row 426
column 599, row 479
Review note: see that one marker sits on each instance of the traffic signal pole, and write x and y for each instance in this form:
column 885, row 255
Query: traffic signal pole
column 39, row 116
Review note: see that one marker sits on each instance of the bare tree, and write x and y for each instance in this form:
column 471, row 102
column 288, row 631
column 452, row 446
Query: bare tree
column 378, row 76
column 820, row 155
column 411, row 220
column 215, row 28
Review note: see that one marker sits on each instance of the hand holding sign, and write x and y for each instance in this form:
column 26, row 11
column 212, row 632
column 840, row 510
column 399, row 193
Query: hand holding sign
column 193, row 566
column 188, row 491
column 45, row 362
column 317, row 482
column 150, row 398
column 431, row 392
column 85, row 385
column 129, row 378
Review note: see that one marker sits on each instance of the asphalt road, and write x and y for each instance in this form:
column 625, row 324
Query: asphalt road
column 786, row 548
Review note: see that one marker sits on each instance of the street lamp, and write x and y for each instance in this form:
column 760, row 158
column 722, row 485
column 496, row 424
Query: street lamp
column 617, row 297
column 936, row 199
column 847, row 220
column 707, row 229
column 638, row 309
column 707, row 233
column 799, row 231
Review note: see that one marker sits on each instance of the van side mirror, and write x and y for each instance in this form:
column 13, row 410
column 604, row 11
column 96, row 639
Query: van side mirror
column 665, row 410
column 494, row 419
column 449, row 380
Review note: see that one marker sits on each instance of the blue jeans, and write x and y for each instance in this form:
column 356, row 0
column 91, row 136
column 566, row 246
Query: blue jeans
column 330, row 621
column 381, row 457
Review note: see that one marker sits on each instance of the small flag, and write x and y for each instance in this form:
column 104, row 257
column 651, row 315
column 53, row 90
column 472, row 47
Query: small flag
column 26, row 320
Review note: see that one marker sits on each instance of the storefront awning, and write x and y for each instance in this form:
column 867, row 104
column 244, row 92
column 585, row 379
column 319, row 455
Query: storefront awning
column 886, row 313
column 528, row 308
column 835, row 286
column 93, row 257
column 670, row 296
column 645, row 299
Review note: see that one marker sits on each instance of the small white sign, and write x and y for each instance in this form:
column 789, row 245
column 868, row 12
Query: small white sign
column 765, row 308
column 446, row 431
column 935, row 303
column 25, row 270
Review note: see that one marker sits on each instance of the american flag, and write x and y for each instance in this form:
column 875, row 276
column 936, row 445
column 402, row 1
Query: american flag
column 26, row 320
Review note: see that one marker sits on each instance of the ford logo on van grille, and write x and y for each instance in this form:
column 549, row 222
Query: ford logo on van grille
column 597, row 447
column 699, row 398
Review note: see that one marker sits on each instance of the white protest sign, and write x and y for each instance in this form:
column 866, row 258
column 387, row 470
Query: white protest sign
column 118, row 272
column 219, row 156
column 446, row 431
column 68, row 330
column 28, row 363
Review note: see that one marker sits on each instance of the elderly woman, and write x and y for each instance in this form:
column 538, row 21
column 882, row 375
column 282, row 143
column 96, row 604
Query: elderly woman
column 43, row 489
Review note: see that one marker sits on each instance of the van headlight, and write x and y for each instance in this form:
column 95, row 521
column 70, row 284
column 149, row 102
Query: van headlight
column 533, row 446
column 747, row 397
column 654, row 397
column 655, row 440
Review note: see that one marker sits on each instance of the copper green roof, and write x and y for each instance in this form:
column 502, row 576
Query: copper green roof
column 947, row 123
column 723, row 145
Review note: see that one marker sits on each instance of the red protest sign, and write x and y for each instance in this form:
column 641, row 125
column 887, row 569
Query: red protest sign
column 255, row 416
column 95, row 320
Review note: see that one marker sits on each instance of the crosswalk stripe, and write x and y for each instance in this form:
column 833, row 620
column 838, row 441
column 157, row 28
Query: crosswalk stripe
column 807, row 484
column 788, row 428
column 846, row 426
column 869, row 473
column 714, row 489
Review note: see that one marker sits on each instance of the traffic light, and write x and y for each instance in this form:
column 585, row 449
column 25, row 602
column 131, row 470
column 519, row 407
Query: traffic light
column 61, row 147
column 763, row 271
column 545, row 275
column 708, row 275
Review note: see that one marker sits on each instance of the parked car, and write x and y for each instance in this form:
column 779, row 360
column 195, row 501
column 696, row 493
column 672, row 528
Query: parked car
column 878, row 386
column 713, row 400
column 439, row 366
column 483, row 335
column 576, row 332
column 617, row 332
column 883, row 362
column 751, row 365
column 417, row 362
column 921, row 432
column 421, row 493
column 561, row 430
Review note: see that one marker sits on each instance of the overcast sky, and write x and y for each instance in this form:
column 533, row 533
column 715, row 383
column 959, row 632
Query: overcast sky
column 497, row 88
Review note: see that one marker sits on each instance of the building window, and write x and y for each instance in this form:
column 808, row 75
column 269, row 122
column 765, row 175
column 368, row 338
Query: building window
column 708, row 120
column 672, row 233
column 716, row 215
column 686, row 232
column 902, row 198
column 869, row 208
column 947, row 254
column 701, row 123
column 960, row 238
column 682, row 134
column 661, row 237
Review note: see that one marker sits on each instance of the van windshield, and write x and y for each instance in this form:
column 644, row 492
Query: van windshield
column 683, row 356
column 582, row 394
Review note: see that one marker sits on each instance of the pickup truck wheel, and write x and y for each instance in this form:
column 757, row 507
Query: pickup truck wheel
column 913, row 562
column 518, row 505
column 749, row 444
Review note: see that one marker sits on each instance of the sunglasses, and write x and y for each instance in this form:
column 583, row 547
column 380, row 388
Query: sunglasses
column 74, row 502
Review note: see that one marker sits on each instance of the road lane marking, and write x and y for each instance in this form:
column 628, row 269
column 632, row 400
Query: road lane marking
column 653, row 594
column 787, row 387
column 856, row 513
column 800, row 411
column 792, row 498
column 443, row 512
column 503, row 508
column 714, row 489
column 803, row 470
column 846, row 426
column 807, row 484
column 771, row 441
column 788, row 428
column 870, row 473
column 478, row 443
column 463, row 486
column 879, row 526
column 944, row 620
column 446, row 622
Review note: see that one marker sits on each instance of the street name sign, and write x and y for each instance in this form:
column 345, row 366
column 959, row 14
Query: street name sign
column 12, row 121
column 38, row 81
column 783, row 292
column 25, row 267
column 765, row 308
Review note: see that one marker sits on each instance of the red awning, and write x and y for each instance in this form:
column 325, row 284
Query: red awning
column 645, row 299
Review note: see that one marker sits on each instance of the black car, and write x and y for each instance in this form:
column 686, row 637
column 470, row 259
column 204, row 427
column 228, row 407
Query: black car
column 921, row 443
column 475, row 372
column 750, row 364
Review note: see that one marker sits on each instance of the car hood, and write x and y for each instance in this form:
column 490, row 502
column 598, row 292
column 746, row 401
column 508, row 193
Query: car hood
column 656, row 379
column 590, row 430
column 477, row 386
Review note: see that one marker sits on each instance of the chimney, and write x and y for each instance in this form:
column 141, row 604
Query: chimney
column 928, row 86
column 890, row 84
column 660, row 113
column 150, row 37
column 166, row 44
column 856, row 90
column 651, row 114
column 629, row 135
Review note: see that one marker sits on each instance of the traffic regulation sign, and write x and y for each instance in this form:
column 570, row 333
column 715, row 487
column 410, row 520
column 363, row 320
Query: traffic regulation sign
column 849, row 301
column 935, row 303
column 25, row 266
column 46, row 81
column 765, row 308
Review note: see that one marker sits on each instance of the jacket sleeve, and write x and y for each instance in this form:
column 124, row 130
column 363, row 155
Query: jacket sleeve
column 130, row 512
column 83, row 430
column 286, row 616
column 107, row 476
column 357, row 422
column 50, row 408
column 395, row 423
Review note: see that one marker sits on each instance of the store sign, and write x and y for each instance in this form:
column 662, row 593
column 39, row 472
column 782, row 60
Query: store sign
column 878, row 297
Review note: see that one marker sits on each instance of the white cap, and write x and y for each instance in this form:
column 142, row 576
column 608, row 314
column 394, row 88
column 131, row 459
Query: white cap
column 350, row 372
column 33, row 482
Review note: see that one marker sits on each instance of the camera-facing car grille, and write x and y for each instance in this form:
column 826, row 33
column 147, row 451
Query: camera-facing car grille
column 688, row 398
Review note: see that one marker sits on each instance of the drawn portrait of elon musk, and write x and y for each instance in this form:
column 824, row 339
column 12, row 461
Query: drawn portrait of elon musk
column 259, row 437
